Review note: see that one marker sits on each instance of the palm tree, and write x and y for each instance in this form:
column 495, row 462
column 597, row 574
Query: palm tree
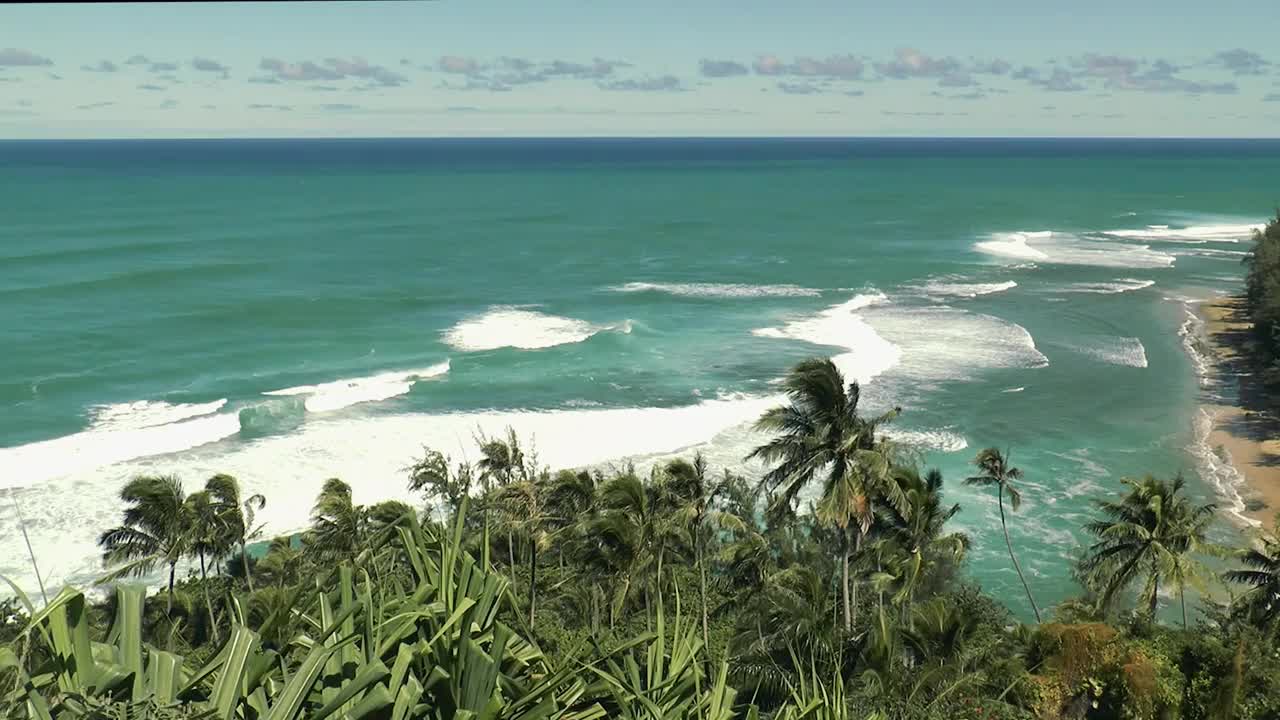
column 431, row 476
column 1262, row 572
column 820, row 432
column 208, row 539
column 237, row 515
column 155, row 528
column 915, row 541
column 337, row 524
column 695, row 498
column 996, row 470
column 525, row 511
column 1152, row 530
column 501, row 462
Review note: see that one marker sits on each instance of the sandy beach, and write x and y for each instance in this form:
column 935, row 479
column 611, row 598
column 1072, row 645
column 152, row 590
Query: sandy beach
column 1246, row 429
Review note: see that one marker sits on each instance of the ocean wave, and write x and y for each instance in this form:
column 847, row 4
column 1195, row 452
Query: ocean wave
column 1211, row 253
column 966, row 290
column 1070, row 249
column 1191, row 332
column 842, row 326
column 147, row 413
column 1114, row 287
column 506, row 326
column 1226, row 233
column 718, row 290
column 1126, row 351
column 347, row 392
column 101, row 446
column 939, row 440
column 940, row 343
column 1217, row 468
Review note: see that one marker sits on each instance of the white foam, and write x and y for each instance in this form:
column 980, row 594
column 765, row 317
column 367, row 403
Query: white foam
column 940, row 440
column 147, row 413
column 94, row 448
column 505, row 326
column 1227, row 233
column 1121, row 285
column 1194, row 343
column 966, row 290
column 1218, row 470
column 1014, row 389
column 1069, row 249
column 345, row 393
column 942, row 343
column 1127, row 351
column 1211, row 252
column 718, row 290
column 842, row 326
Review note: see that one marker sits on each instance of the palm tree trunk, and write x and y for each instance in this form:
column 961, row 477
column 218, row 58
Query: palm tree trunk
column 1182, row 595
column 244, row 563
column 169, row 607
column 1154, row 601
column 1009, row 544
column 204, row 585
column 702, row 582
column 844, row 584
column 533, row 580
column 511, row 553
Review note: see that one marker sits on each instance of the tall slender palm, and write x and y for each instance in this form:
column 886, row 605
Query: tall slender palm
column 154, row 531
column 695, row 498
column 208, row 539
column 502, row 462
column 237, row 514
column 432, row 476
column 525, row 510
column 1154, row 531
column 995, row 470
column 337, row 524
column 1261, row 571
column 821, row 433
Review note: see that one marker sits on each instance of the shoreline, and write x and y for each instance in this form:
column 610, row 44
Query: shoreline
column 1241, row 448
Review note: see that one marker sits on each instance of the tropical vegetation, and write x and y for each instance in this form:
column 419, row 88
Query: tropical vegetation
column 830, row 587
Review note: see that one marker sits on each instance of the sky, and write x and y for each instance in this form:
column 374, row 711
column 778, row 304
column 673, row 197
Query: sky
column 551, row 68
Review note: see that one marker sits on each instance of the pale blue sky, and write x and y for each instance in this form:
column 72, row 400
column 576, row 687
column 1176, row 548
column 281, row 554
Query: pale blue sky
column 572, row 67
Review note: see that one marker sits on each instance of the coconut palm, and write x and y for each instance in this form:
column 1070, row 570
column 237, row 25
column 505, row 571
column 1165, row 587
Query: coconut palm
column 154, row 529
column 697, row 508
column 237, row 515
column 995, row 470
column 1153, row 531
column 208, row 540
column 337, row 524
column 1262, row 572
column 431, row 475
column 525, row 511
column 821, row 433
column 917, row 541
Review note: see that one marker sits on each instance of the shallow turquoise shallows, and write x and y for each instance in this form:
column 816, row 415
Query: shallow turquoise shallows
column 289, row 311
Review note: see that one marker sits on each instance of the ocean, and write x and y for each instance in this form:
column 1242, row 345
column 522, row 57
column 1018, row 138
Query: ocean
column 289, row 311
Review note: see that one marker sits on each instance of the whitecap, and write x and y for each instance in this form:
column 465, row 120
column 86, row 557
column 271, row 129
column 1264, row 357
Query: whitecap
column 1121, row 285
column 841, row 326
column 506, row 326
column 966, row 290
column 1070, row 249
column 1126, row 351
column 718, row 290
column 942, row 343
column 147, row 413
column 1018, row 389
column 350, row 391
column 940, row 440
column 1225, row 233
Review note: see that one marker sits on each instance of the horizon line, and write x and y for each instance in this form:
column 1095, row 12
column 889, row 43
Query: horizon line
column 650, row 137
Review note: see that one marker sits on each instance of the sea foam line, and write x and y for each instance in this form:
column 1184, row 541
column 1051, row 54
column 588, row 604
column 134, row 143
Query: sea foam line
column 868, row 354
column 1069, row 249
column 1227, row 233
column 966, row 290
column 344, row 393
column 718, row 290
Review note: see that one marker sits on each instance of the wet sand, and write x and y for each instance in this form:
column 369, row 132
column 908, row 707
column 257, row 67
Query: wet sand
column 1248, row 429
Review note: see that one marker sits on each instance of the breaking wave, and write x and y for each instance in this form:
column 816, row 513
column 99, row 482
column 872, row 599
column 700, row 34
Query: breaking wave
column 505, row 326
column 718, row 290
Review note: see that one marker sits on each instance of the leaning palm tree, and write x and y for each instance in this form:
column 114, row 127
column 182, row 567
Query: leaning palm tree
column 1261, row 571
column 237, row 515
column 821, row 434
column 1153, row 531
column 155, row 529
column 994, row 469
column 337, row 524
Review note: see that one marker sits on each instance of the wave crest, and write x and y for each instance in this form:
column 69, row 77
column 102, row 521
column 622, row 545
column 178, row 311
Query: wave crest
column 1069, row 249
column 841, row 326
column 718, row 290
column 344, row 393
column 507, row 326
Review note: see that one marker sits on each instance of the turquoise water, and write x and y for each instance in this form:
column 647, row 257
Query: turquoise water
column 288, row 311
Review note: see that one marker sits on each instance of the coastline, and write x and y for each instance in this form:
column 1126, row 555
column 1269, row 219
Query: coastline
column 1239, row 437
